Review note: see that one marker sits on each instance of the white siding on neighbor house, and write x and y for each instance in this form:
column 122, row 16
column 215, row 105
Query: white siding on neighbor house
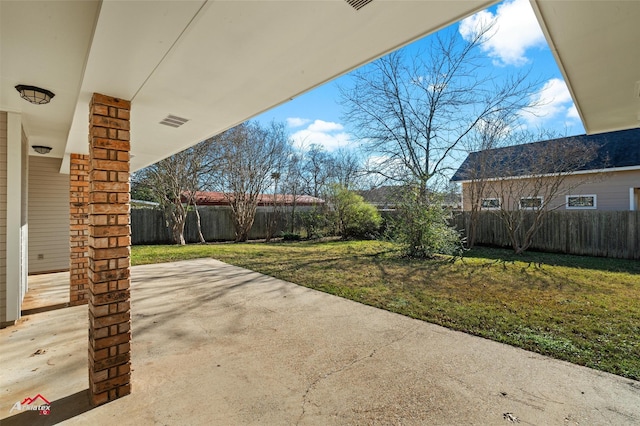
column 48, row 215
column 3, row 216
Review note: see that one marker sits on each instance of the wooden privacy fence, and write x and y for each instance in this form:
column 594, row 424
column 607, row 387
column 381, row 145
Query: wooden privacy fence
column 148, row 226
column 591, row 233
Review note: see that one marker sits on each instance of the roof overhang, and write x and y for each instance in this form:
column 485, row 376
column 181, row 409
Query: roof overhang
column 219, row 63
column 595, row 44
column 576, row 173
column 214, row 63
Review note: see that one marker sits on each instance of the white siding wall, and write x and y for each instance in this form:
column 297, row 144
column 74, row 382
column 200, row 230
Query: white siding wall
column 48, row 215
column 24, row 215
column 3, row 217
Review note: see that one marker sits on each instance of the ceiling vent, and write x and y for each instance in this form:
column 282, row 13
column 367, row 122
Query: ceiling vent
column 174, row 121
column 358, row 4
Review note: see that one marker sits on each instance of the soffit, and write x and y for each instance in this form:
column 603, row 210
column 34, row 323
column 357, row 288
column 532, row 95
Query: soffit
column 45, row 44
column 595, row 44
column 218, row 64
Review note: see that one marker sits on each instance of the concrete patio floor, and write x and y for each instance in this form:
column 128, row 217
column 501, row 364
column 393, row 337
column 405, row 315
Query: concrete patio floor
column 215, row 344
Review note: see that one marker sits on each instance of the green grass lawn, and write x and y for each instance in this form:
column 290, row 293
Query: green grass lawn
column 580, row 309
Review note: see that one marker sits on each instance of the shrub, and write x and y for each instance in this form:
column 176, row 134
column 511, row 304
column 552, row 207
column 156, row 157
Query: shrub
column 315, row 222
column 352, row 216
column 290, row 236
column 421, row 227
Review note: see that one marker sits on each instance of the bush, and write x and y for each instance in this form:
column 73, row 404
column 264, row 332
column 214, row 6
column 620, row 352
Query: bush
column 422, row 228
column 315, row 222
column 352, row 216
column 290, row 236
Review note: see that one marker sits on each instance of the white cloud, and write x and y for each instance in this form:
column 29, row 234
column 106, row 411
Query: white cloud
column 294, row 122
column 572, row 113
column 325, row 133
column 516, row 30
column 552, row 101
column 470, row 25
column 324, row 126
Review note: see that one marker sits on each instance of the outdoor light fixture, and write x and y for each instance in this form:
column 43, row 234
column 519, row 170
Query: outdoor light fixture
column 34, row 94
column 41, row 149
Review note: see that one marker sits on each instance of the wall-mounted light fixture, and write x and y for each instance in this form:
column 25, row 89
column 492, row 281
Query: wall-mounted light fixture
column 34, row 94
column 41, row 149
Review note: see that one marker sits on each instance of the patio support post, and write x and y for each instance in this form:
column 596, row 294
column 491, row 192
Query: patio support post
column 109, row 250
column 79, row 228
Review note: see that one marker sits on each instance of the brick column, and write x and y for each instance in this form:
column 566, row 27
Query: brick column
column 79, row 228
column 109, row 249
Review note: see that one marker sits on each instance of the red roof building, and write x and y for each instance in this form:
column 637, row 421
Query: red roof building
column 208, row 198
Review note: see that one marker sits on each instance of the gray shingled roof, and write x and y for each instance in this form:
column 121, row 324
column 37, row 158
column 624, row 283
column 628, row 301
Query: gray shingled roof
column 614, row 149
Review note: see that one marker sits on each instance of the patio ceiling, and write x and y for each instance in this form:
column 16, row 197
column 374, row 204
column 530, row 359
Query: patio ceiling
column 218, row 63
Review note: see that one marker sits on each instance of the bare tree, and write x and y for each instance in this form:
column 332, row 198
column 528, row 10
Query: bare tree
column 346, row 169
column 292, row 184
column 275, row 207
column 174, row 182
column 316, row 171
column 247, row 158
column 490, row 134
column 525, row 184
column 414, row 115
column 319, row 169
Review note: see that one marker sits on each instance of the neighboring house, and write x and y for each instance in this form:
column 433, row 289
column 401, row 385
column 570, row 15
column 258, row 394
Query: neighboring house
column 384, row 197
column 387, row 197
column 609, row 180
column 206, row 198
column 142, row 204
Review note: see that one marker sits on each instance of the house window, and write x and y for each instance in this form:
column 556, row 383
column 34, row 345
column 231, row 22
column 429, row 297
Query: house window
column 490, row 203
column 581, row 202
column 530, row 203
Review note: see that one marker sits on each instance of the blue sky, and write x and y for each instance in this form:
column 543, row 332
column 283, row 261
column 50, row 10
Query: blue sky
column 518, row 43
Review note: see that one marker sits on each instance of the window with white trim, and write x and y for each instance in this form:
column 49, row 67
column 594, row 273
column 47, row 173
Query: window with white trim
column 531, row 203
column 490, row 203
column 582, row 201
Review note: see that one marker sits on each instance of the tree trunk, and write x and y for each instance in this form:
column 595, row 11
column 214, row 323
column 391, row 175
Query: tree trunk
column 177, row 231
column 242, row 224
column 199, row 225
column 176, row 219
